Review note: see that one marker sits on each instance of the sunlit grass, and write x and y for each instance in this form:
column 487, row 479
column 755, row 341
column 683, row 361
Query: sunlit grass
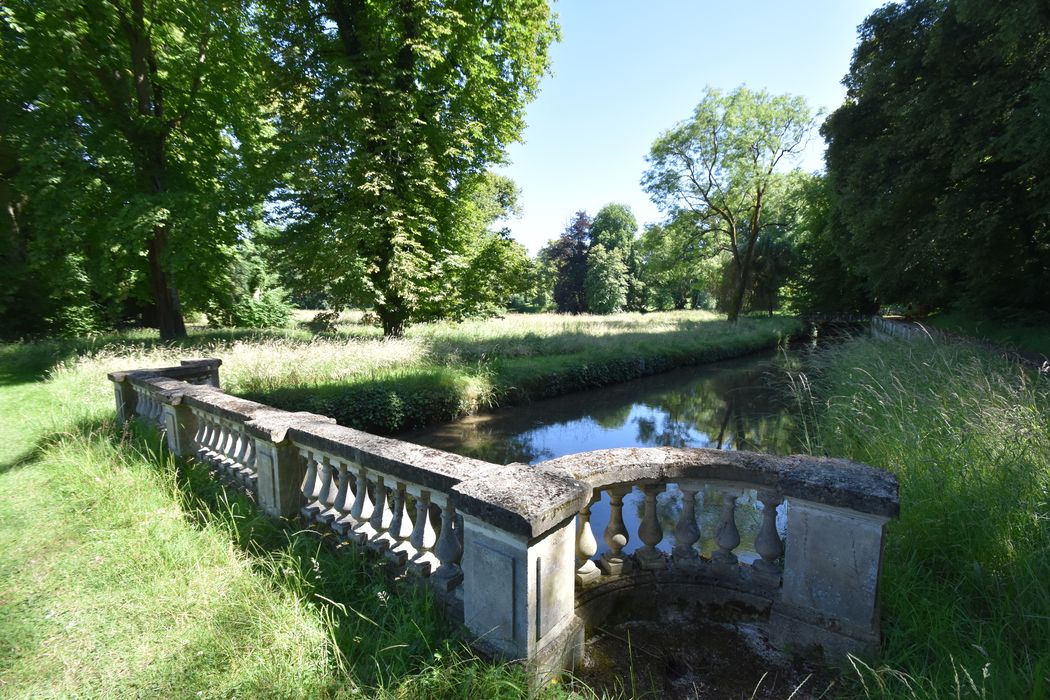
column 966, row 605
column 440, row 371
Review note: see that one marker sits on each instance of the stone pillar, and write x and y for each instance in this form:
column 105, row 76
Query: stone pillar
column 829, row 596
column 180, row 428
column 280, row 467
column 519, row 551
column 125, row 397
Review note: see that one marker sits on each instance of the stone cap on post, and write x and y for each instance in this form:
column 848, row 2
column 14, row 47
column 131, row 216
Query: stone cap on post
column 198, row 372
column 833, row 482
column 523, row 500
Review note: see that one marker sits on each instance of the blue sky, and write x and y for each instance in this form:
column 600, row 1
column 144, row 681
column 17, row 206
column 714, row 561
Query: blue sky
column 627, row 70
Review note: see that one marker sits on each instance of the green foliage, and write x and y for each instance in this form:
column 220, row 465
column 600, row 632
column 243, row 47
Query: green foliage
column 966, row 609
column 247, row 294
column 717, row 171
column 567, row 255
column 615, row 228
column 390, row 113
column 938, row 157
column 605, row 286
column 130, row 139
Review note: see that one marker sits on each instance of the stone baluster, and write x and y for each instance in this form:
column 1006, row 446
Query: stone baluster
column 310, row 483
column 768, row 543
column 400, row 530
column 423, row 538
column 361, row 530
column 614, row 562
column 448, row 551
column 686, row 532
column 207, row 435
column 586, row 547
column 339, row 503
column 326, row 492
column 650, row 532
column 727, row 537
column 202, row 430
column 380, row 518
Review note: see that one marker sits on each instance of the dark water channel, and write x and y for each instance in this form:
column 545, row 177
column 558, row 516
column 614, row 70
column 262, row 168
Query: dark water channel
column 739, row 404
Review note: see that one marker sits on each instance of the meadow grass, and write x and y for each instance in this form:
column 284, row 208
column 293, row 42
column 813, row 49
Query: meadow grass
column 438, row 372
column 965, row 595
column 126, row 574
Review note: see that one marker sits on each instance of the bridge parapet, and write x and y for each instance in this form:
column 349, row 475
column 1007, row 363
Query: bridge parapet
column 511, row 548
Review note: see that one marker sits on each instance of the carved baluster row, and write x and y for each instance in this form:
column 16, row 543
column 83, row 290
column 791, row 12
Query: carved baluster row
column 370, row 509
column 768, row 544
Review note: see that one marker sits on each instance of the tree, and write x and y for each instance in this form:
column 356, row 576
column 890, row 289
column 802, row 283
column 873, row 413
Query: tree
column 137, row 123
column 391, row 112
column 722, row 165
column 938, row 156
column 568, row 255
column 615, row 228
column 605, row 286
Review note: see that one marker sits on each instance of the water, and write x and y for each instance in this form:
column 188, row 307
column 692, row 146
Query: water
column 730, row 405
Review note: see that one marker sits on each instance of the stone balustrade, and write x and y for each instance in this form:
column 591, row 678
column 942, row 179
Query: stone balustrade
column 512, row 549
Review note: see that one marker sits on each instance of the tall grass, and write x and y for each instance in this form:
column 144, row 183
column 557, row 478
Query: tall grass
column 124, row 574
column 965, row 592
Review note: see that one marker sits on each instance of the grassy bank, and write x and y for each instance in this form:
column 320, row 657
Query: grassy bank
column 965, row 600
column 438, row 372
column 122, row 576
column 1028, row 332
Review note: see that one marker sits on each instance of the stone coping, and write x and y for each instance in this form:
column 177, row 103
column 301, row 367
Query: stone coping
column 834, row 482
column 424, row 466
column 187, row 369
column 521, row 499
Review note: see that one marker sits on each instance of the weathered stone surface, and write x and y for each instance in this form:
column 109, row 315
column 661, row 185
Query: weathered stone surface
column 204, row 371
column 521, row 499
column 273, row 424
column 429, row 468
column 224, row 405
column 836, row 482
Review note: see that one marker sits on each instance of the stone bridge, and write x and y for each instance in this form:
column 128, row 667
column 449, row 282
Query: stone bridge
column 510, row 548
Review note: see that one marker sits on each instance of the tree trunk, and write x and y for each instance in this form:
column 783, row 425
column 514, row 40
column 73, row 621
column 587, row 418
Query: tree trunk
column 165, row 297
column 393, row 320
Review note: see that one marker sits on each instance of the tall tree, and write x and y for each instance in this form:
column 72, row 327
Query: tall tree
column 391, row 112
column 568, row 255
column 722, row 165
column 154, row 109
column 605, row 284
column 938, row 156
column 615, row 228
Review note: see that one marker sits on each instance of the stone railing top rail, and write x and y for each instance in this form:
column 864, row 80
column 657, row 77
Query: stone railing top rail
column 834, row 482
column 515, row 497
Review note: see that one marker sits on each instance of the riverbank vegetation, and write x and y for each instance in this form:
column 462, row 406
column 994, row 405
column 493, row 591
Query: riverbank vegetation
column 965, row 605
column 437, row 372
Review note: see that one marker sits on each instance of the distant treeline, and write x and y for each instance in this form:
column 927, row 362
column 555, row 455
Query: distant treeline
column 233, row 159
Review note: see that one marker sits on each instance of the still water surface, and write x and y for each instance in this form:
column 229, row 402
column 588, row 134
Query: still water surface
column 732, row 405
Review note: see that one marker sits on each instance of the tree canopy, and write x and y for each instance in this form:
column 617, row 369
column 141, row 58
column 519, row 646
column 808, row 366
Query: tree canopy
column 390, row 113
column 719, row 168
column 938, row 157
column 129, row 142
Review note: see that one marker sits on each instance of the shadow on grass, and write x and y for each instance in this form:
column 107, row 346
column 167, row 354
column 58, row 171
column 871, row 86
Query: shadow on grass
column 383, row 629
